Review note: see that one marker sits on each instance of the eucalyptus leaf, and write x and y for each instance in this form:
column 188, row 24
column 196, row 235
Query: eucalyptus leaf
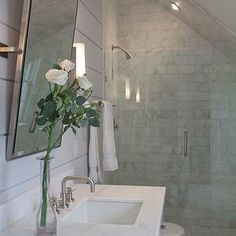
column 90, row 112
column 62, row 111
column 80, row 110
column 83, row 122
column 41, row 121
column 41, row 103
column 94, row 122
column 72, row 95
column 61, row 96
column 59, row 103
column 74, row 109
column 67, row 99
column 66, row 128
column 49, row 97
column 68, row 108
column 49, row 109
column 66, row 120
column 80, row 100
column 76, row 124
column 73, row 130
column 97, row 115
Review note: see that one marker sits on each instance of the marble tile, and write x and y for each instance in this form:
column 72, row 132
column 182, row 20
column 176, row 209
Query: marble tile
column 186, row 84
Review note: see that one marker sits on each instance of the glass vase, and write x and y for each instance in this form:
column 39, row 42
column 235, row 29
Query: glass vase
column 46, row 218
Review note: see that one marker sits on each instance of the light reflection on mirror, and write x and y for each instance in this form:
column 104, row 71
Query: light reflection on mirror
column 80, row 59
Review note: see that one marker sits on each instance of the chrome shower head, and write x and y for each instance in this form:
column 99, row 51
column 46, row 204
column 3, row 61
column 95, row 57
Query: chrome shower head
column 128, row 55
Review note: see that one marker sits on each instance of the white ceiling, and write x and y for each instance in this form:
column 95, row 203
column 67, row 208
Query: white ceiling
column 223, row 10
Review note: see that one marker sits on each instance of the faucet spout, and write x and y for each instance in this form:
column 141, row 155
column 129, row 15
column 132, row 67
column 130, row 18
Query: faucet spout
column 74, row 178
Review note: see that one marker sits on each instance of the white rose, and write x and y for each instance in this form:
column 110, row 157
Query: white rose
column 84, row 83
column 67, row 65
column 55, row 76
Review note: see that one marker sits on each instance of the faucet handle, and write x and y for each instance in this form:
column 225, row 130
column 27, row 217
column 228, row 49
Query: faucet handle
column 62, row 203
column 54, row 203
column 69, row 192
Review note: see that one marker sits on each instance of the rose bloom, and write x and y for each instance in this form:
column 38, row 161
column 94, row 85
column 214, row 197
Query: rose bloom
column 84, row 83
column 55, row 76
column 67, row 65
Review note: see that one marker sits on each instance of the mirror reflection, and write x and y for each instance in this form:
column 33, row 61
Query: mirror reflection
column 49, row 40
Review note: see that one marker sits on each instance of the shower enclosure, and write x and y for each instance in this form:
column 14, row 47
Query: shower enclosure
column 176, row 112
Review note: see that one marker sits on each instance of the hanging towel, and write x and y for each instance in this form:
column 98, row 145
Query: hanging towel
column 94, row 162
column 109, row 149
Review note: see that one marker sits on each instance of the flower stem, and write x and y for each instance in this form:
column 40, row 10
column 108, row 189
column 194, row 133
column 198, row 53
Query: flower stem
column 45, row 180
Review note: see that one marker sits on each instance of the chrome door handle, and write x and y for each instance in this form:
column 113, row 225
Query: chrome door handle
column 186, row 143
column 33, row 122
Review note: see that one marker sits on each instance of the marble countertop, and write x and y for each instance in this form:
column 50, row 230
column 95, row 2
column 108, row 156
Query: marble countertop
column 147, row 223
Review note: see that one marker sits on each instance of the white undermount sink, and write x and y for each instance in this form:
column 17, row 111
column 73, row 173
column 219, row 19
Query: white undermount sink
column 105, row 211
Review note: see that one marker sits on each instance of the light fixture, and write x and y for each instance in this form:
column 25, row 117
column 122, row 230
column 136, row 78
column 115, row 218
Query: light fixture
column 80, row 59
column 127, row 89
column 138, row 97
column 175, row 6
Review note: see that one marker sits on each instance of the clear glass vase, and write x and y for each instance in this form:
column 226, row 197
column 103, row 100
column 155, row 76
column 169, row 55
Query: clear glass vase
column 46, row 218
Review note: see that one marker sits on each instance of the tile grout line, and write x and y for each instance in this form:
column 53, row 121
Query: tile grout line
column 91, row 40
column 91, row 68
column 7, row 80
column 91, row 12
column 10, row 27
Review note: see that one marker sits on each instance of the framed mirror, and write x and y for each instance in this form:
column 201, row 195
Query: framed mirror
column 47, row 33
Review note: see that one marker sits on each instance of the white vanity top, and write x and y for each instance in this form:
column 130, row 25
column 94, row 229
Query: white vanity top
column 147, row 223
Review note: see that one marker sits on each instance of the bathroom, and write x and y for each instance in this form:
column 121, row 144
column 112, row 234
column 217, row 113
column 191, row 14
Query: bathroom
column 168, row 69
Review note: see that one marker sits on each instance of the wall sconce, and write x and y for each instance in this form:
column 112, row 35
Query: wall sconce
column 127, row 89
column 138, row 96
column 80, row 59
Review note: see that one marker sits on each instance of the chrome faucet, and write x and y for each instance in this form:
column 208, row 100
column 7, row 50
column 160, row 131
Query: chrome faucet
column 65, row 199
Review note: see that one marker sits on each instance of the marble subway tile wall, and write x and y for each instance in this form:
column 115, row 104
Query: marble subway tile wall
column 207, row 25
column 110, row 57
column 185, row 85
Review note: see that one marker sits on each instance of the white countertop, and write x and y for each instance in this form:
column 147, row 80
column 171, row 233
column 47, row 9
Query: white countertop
column 147, row 223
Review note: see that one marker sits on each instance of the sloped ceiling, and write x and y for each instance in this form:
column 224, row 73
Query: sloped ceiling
column 207, row 25
column 223, row 10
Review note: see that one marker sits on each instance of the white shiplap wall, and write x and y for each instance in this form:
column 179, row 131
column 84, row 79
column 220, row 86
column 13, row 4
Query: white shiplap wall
column 20, row 176
column 89, row 30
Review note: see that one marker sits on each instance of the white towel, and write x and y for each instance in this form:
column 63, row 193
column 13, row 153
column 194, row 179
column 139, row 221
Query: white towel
column 94, row 162
column 109, row 150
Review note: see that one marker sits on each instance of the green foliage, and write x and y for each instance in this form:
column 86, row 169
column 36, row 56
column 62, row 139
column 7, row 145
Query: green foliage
column 74, row 108
column 49, row 109
column 90, row 112
column 66, row 105
column 41, row 121
column 63, row 105
column 56, row 66
column 41, row 103
column 83, row 122
column 80, row 100
column 73, row 130
column 94, row 122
